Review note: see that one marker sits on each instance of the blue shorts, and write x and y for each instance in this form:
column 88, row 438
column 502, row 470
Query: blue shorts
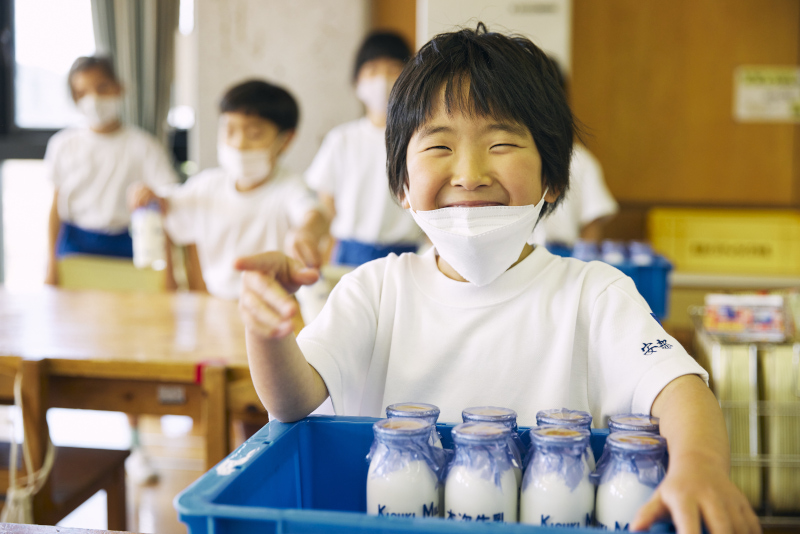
column 74, row 240
column 355, row 253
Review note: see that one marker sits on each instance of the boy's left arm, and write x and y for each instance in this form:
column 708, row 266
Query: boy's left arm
column 697, row 485
column 305, row 242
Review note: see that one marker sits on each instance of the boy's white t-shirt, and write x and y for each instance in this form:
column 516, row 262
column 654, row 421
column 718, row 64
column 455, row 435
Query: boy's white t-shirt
column 93, row 171
column 351, row 166
column 548, row 333
column 588, row 199
column 226, row 224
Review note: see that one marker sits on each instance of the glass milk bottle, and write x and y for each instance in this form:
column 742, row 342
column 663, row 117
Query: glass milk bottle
column 556, row 490
column 147, row 234
column 568, row 418
column 418, row 410
column 507, row 418
column 633, row 467
column 480, row 485
column 403, row 476
column 633, row 422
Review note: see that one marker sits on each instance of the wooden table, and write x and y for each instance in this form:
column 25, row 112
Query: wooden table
column 178, row 353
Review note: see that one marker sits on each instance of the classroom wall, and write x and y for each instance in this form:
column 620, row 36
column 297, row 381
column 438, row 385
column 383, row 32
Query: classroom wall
column 653, row 83
column 307, row 46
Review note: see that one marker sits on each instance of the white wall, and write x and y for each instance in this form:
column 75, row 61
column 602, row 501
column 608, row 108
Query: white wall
column 307, row 46
column 548, row 23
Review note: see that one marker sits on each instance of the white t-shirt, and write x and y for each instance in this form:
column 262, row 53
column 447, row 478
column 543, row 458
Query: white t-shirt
column 549, row 333
column 92, row 173
column 226, row 224
column 351, row 166
column 587, row 199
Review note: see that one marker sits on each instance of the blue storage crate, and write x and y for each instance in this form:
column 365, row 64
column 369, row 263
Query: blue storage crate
column 652, row 281
column 311, row 476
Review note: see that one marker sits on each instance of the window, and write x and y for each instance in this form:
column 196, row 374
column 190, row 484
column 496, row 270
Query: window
column 48, row 36
column 39, row 40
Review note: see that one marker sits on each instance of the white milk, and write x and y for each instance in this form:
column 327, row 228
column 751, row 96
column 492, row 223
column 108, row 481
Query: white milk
column 467, row 493
column 619, row 499
column 400, row 482
column 547, row 500
column 149, row 242
column 558, row 455
column 503, row 416
column 472, row 491
column 408, row 492
column 621, row 493
column 566, row 417
column 418, row 410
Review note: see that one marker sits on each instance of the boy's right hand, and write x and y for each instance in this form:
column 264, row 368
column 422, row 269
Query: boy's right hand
column 139, row 196
column 268, row 282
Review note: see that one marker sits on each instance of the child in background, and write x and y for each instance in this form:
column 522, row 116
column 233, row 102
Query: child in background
column 249, row 203
column 349, row 171
column 587, row 207
column 479, row 139
column 92, row 167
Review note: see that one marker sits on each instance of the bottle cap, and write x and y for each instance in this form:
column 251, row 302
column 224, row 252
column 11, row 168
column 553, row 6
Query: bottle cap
column 401, row 427
column 560, row 435
column 564, row 417
column 636, row 442
column 480, row 432
column 633, row 422
column 493, row 414
column 413, row 409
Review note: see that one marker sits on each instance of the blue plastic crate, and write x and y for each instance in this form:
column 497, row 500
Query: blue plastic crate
column 310, row 476
column 652, row 281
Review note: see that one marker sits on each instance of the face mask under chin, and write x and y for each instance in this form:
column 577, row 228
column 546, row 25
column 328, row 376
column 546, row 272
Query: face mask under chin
column 479, row 243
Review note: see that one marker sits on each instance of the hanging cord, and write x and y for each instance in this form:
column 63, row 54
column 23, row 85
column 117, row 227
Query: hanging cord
column 19, row 498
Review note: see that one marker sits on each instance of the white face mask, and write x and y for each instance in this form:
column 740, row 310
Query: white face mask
column 479, row 243
column 374, row 93
column 245, row 167
column 100, row 110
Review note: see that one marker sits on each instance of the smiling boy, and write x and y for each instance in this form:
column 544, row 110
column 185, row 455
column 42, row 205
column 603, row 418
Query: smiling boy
column 479, row 139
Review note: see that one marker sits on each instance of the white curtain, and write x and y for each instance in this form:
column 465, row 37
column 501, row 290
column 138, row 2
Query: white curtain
column 139, row 35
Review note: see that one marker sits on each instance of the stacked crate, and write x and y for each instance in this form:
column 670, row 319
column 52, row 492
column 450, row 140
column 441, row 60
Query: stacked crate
column 758, row 387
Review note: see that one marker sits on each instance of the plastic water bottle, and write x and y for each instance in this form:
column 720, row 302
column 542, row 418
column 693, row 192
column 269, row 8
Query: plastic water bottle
column 149, row 242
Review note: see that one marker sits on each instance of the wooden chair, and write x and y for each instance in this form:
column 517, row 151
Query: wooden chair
column 77, row 473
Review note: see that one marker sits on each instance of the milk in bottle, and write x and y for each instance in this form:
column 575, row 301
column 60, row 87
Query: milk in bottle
column 632, row 467
column 507, row 418
column 480, row 484
column 556, row 490
column 404, row 469
column 565, row 417
column 418, row 410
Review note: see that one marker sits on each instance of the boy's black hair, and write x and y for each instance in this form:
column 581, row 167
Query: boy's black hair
column 507, row 77
column 257, row 97
column 84, row 63
column 381, row 44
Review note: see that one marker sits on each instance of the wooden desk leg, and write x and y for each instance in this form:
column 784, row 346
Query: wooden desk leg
column 116, row 500
column 215, row 414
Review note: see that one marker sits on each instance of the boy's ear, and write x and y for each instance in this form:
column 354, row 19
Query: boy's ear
column 287, row 140
column 552, row 195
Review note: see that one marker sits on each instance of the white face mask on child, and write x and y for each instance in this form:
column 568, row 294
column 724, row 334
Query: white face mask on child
column 100, row 111
column 374, row 93
column 479, row 243
column 245, row 167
